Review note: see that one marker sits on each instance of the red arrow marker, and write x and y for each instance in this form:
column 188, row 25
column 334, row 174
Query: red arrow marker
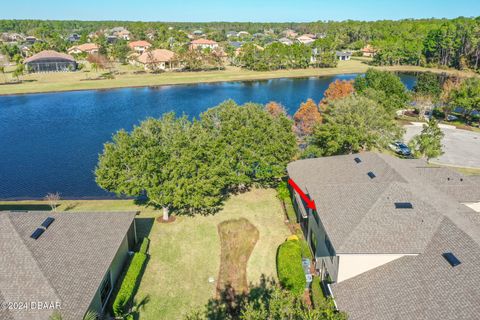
column 310, row 203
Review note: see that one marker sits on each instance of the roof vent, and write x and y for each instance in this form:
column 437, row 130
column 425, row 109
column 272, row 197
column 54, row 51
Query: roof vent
column 450, row 257
column 37, row 233
column 403, row 205
column 371, row 174
column 47, row 222
column 357, row 160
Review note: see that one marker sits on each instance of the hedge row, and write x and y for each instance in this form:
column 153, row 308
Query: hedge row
column 289, row 266
column 129, row 284
column 145, row 245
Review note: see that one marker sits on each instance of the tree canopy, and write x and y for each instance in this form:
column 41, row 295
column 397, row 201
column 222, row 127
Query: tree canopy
column 189, row 166
column 353, row 124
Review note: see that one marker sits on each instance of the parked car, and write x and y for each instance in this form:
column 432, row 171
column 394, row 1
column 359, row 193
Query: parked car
column 451, row 117
column 401, row 148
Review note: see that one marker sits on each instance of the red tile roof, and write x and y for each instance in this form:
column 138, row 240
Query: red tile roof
column 140, row 43
column 85, row 47
column 203, row 41
column 158, row 55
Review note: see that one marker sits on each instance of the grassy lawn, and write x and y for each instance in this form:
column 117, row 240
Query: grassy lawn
column 185, row 253
column 64, row 81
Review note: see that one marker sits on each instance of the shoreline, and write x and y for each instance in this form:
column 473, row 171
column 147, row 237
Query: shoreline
column 70, row 82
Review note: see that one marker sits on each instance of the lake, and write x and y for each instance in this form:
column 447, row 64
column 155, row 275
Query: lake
column 50, row 142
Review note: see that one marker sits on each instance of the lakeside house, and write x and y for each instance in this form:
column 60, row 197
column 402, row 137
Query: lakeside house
column 158, row 59
column 139, row 46
column 343, row 55
column 89, row 48
column 50, row 61
column 368, row 51
column 203, row 44
column 391, row 237
column 65, row 262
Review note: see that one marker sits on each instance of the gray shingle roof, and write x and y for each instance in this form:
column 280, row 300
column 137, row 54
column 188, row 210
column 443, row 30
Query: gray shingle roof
column 66, row 264
column 359, row 217
column 419, row 287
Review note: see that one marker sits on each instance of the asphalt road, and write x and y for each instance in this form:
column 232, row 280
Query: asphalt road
column 461, row 147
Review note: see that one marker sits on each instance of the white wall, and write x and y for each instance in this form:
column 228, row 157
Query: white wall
column 350, row 265
column 474, row 206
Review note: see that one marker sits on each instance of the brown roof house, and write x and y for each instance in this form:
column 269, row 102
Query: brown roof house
column 203, row 44
column 89, row 48
column 391, row 238
column 157, row 60
column 50, row 61
column 63, row 262
column 139, row 46
column 369, row 51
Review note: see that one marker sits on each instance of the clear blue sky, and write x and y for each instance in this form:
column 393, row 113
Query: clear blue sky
column 244, row 10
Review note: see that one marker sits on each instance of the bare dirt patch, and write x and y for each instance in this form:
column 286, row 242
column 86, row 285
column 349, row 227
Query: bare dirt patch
column 237, row 239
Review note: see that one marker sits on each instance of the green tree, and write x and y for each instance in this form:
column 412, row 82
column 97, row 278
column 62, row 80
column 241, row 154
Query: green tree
column 386, row 82
column 167, row 159
column 428, row 143
column 428, row 84
column 256, row 145
column 351, row 125
column 467, row 96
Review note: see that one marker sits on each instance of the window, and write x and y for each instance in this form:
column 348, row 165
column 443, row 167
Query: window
column 105, row 289
column 315, row 216
column 313, row 242
column 330, row 250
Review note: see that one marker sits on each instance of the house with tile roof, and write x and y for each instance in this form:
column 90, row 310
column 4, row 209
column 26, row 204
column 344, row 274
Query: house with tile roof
column 158, row 59
column 50, row 61
column 139, row 46
column 376, row 223
column 66, row 262
column 203, row 44
column 89, row 48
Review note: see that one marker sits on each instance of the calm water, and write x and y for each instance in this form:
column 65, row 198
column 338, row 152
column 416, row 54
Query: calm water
column 50, row 142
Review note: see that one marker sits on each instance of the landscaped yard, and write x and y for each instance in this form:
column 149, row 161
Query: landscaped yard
column 185, row 253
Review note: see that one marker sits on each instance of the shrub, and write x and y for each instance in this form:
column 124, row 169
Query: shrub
column 289, row 266
column 318, row 299
column 145, row 245
column 129, row 284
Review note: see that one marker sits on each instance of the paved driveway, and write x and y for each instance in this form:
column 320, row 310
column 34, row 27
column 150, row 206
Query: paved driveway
column 461, row 147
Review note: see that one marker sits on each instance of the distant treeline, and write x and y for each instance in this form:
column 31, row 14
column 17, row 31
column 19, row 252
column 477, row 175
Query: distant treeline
column 440, row 42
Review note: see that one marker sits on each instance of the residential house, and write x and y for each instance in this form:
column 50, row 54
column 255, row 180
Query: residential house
column 231, row 34
column 243, row 34
column 258, row 35
column 157, row 60
column 285, row 41
column 65, row 262
column 343, row 55
column 236, row 44
column 386, row 234
column 125, row 35
column 89, row 48
column 203, row 44
column 289, row 33
column 111, row 39
column 50, row 61
column 369, row 51
column 30, row 39
column 139, row 46
column 74, row 37
column 197, row 33
column 305, row 39
column 12, row 37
